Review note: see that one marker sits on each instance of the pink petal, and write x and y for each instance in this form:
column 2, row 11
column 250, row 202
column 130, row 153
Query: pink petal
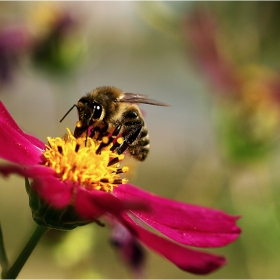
column 85, row 205
column 15, row 147
column 29, row 171
column 89, row 204
column 197, row 262
column 7, row 118
column 184, row 223
column 50, row 188
column 55, row 192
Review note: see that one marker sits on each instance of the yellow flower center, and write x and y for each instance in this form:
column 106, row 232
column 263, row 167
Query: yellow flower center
column 80, row 161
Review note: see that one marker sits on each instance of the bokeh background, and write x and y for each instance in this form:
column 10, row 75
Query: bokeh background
column 215, row 63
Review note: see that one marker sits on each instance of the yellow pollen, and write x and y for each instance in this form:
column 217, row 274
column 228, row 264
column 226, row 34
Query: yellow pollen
column 75, row 162
column 79, row 124
column 120, row 140
column 105, row 139
column 125, row 169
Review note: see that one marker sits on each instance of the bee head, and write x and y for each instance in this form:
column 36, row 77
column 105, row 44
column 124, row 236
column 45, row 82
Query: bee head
column 88, row 109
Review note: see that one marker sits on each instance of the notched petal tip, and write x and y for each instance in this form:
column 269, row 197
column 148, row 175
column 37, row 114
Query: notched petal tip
column 193, row 261
column 208, row 264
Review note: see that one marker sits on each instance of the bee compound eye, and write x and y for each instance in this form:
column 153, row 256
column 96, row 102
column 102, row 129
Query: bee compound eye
column 97, row 111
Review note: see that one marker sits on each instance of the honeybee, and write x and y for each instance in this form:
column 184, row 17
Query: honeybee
column 109, row 110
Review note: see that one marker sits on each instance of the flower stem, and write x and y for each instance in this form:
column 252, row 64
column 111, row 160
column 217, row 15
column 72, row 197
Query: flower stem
column 3, row 256
column 13, row 272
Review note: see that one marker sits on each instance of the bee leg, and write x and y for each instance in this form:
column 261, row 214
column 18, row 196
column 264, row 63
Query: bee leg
column 117, row 130
column 94, row 130
column 103, row 132
column 129, row 139
column 108, row 140
column 79, row 131
column 118, row 143
column 122, row 147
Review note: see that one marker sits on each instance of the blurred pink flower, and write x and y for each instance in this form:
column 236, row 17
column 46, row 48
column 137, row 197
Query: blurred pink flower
column 249, row 116
column 201, row 32
column 14, row 41
column 180, row 222
column 129, row 249
column 59, row 48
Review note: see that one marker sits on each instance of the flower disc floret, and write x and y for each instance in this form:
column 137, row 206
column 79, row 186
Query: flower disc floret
column 77, row 160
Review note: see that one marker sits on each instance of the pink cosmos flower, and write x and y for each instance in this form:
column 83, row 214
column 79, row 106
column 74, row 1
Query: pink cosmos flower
column 249, row 117
column 181, row 224
column 14, row 42
column 200, row 29
column 202, row 32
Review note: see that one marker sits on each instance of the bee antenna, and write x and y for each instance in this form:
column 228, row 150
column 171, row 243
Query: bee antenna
column 68, row 112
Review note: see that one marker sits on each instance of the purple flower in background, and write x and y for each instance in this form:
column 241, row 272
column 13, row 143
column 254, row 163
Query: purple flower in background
column 129, row 249
column 59, row 48
column 14, row 42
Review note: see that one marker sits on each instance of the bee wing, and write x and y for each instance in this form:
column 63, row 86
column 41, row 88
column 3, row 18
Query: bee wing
column 140, row 98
